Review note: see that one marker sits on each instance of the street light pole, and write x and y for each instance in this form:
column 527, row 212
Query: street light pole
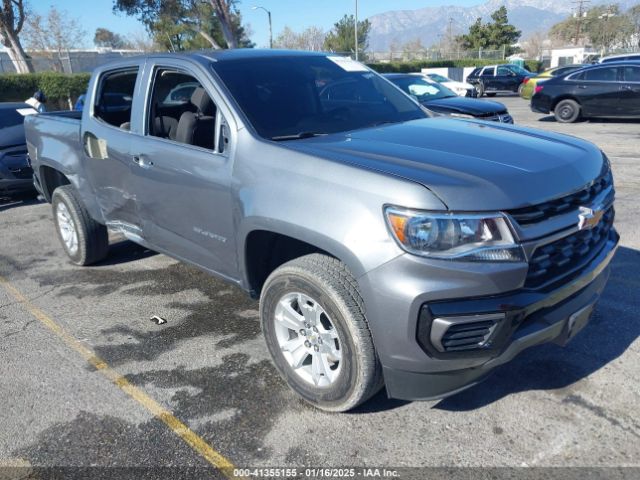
column 356, row 30
column 270, row 27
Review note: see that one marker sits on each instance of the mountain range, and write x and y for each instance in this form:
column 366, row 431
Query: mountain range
column 430, row 23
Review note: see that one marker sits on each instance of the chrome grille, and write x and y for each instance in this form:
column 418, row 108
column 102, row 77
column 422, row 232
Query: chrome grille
column 544, row 211
column 558, row 259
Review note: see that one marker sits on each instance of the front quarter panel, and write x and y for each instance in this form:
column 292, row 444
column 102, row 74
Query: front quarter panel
column 335, row 207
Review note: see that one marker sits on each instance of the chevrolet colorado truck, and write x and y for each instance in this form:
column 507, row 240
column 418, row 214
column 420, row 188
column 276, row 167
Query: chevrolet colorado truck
column 387, row 248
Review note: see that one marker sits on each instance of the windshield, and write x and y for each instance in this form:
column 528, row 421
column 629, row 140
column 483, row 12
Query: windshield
column 518, row 69
column 438, row 78
column 291, row 95
column 422, row 89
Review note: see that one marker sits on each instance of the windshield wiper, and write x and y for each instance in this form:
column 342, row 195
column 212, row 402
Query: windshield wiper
column 297, row 136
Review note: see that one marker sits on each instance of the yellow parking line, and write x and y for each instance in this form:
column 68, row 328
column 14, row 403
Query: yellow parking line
column 180, row 429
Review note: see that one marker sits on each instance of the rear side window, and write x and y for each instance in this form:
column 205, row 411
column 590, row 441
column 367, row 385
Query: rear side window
column 504, row 71
column 489, row 72
column 632, row 74
column 609, row 74
column 115, row 97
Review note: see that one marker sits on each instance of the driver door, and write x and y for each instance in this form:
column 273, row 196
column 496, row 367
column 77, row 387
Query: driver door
column 183, row 169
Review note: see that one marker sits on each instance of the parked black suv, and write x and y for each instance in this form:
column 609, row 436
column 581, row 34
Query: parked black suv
column 494, row 79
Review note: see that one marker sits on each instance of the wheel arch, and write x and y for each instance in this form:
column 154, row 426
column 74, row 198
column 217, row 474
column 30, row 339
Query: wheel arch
column 265, row 249
column 50, row 179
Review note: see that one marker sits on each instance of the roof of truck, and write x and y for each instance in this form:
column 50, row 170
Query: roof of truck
column 246, row 53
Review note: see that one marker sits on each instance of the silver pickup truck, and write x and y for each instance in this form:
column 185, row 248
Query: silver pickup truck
column 386, row 247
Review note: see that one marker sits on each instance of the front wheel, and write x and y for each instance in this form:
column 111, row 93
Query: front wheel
column 84, row 240
column 567, row 111
column 479, row 89
column 314, row 326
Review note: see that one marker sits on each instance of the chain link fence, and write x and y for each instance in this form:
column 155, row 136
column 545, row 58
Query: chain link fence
column 65, row 62
column 436, row 54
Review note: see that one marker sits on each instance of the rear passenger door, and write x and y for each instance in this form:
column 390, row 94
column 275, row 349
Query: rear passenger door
column 183, row 164
column 505, row 79
column 487, row 77
column 630, row 96
column 106, row 138
column 598, row 90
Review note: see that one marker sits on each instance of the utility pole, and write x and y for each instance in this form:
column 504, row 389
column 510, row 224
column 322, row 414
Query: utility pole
column 256, row 7
column 579, row 14
column 449, row 45
column 356, row 30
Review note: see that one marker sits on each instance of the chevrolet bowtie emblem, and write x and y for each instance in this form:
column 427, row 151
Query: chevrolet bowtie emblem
column 588, row 218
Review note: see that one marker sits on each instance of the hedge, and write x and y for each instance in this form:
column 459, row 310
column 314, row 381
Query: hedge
column 417, row 65
column 58, row 87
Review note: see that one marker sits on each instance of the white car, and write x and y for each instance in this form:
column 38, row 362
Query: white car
column 461, row 89
column 624, row 57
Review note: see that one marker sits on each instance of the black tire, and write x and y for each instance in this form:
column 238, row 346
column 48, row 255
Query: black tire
column 567, row 111
column 480, row 89
column 92, row 237
column 492, row 94
column 520, row 88
column 329, row 282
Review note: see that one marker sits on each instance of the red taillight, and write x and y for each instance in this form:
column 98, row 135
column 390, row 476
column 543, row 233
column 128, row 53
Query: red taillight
column 538, row 88
column 526, row 80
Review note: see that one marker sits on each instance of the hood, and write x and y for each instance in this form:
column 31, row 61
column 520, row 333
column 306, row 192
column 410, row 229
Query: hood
column 471, row 106
column 470, row 165
column 11, row 136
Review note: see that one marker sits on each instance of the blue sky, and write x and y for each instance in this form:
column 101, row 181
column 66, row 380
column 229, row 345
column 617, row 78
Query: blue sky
column 298, row 14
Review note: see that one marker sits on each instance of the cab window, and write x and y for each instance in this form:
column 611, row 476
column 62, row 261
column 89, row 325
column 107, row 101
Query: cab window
column 115, row 97
column 489, row 72
column 181, row 110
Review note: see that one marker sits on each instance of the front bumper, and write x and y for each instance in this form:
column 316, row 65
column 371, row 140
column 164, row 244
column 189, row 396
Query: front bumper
column 414, row 370
column 13, row 186
column 16, row 176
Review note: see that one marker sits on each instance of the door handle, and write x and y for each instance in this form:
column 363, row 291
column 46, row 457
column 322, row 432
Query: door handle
column 583, row 87
column 141, row 161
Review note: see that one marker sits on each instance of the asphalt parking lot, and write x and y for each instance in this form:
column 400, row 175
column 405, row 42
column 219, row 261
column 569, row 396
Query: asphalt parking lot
column 171, row 397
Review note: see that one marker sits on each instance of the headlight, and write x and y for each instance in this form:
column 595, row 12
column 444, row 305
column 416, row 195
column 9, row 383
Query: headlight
column 467, row 237
column 461, row 115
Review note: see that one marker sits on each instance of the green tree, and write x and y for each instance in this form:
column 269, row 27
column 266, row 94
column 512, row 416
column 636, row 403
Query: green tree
column 603, row 26
column 106, row 38
column 342, row 37
column 176, row 24
column 493, row 35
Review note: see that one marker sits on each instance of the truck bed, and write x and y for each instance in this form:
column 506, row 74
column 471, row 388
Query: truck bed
column 53, row 140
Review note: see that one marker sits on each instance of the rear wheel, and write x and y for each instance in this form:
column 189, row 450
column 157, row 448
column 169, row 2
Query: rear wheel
column 314, row 325
column 567, row 111
column 84, row 240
